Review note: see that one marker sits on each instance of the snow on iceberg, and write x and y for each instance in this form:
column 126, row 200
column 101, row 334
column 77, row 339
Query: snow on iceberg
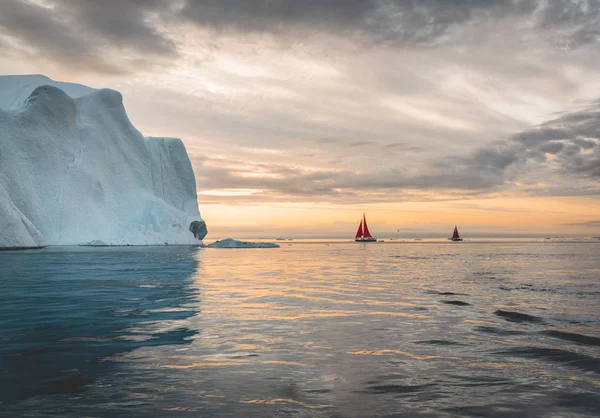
column 74, row 170
column 232, row 243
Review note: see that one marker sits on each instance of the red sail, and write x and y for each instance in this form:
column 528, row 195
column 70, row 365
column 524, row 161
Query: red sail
column 360, row 231
column 367, row 233
column 455, row 234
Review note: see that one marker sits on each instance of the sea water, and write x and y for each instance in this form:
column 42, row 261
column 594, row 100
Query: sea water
column 338, row 329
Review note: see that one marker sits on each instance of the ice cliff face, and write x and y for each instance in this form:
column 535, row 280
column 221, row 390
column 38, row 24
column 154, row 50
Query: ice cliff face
column 74, row 170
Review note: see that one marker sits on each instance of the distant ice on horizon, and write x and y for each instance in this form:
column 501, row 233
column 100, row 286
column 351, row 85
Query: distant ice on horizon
column 233, row 243
column 73, row 169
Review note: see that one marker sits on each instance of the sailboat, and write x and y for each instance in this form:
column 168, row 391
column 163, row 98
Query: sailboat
column 455, row 236
column 363, row 234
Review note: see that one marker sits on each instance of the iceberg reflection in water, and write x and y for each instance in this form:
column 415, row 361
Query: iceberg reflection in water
column 420, row 329
column 65, row 313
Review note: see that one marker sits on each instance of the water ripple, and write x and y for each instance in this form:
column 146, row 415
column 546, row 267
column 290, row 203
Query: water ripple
column 311, row 330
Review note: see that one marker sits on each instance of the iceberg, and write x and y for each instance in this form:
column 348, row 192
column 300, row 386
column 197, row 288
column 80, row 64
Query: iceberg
column 233, row 243
column 74, row 171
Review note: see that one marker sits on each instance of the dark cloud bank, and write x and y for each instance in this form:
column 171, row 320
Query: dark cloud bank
column 81, row 33
column 565, row 150
column 416, row 21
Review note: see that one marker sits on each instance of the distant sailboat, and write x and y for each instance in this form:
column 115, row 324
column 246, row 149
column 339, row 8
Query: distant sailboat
column 455, row 236
column 363, row 234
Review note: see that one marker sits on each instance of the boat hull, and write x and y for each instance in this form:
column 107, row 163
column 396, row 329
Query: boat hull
column 455, row 239
column 365, row 240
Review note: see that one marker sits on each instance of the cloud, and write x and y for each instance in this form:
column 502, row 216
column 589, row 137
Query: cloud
column 569, row 143
column 121, row 36
column 588, row 223
column 360, row 143
column 423, row 22
column 107, row 37
column 274, row 182
column 559, row 157
column 581, row 18
column 404, row 21
column 277, row 16
column 401, row 146
column 488, row 208
column 122, row 22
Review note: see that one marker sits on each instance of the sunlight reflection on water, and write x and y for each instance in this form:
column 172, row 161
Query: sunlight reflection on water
column 346, row 329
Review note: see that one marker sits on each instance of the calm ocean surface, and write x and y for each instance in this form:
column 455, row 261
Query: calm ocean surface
column 413, row 329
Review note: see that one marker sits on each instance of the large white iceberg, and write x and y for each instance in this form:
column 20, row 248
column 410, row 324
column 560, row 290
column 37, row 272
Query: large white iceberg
column 74, row 170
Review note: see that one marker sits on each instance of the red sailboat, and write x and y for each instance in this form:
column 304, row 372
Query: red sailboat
column 363, row 234
column 455, row 236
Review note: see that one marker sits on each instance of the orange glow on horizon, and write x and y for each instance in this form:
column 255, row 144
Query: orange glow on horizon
column 519, row 216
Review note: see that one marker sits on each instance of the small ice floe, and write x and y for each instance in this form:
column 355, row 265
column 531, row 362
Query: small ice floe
column 232, row 243
column 96, row 243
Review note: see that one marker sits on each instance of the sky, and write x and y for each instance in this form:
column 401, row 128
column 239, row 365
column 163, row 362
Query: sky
column 298, row 116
